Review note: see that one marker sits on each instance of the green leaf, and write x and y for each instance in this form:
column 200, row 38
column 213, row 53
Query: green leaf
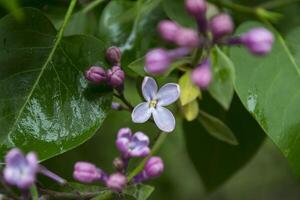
column 13, row 6
column 217, row 128
column 191, row 110
column 216, row 161
column 131, row 26
column 221, row 88
column 34, row 193
column 138, row 66
column 269, row 89
column 188, row 91
column 46, row 105
column 139, row 192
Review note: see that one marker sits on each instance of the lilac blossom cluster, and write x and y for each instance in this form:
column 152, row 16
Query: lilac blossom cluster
column 130, row 146
column 215, row 31
column 114, row 76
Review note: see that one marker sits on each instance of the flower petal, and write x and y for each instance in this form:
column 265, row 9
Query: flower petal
column 141, row 113
column 168, row 94
column 149, row 88
column 124, row 133
column 164, row 119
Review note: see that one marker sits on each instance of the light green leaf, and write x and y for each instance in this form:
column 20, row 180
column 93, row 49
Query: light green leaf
column 191, row 110
column 139, row 192
column 188, row 91
column 269, row 88
column 221, row 88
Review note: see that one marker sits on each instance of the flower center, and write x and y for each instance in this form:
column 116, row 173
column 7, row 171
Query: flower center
column 152, row 103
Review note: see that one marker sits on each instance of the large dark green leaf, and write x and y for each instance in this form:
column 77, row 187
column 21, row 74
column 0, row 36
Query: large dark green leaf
column 269, row 88
column 215, row 160
column 46, row 105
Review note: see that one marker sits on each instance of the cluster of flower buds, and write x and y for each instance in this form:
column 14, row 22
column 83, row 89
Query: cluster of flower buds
column 130, row 146
column 114, row 76
column 21, row 170
column 215, row 31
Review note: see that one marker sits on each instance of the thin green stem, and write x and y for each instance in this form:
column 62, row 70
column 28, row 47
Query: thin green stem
column 154, row 150
column 91, row 6
column 277, row 4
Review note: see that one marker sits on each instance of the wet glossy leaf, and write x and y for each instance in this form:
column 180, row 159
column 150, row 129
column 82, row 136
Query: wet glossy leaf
column 217, row 128
column 188, row 91
column 191, row 110
column 216, row 161
column 221, row 87
column 46, row 105
column 269, row 89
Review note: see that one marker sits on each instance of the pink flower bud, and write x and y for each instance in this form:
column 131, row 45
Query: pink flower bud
column 201, row 76
column 154, row 167
column 186, row 37
column 113, row 55
column 168, row 30
column 196, row 8
column 157, row 61
column 116, row 182
column 86, row 172
column 259, row 41
column 116, row 77
column 221, row 25
column 96, row 75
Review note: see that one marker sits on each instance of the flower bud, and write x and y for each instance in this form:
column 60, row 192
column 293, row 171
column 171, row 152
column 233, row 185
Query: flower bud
column 157, row 61
column 116, row 106
column 86, row 172
column 221, row 25
column 259, row 41
column 168, row 30
column 119, row 164
column 96, row 75
column 201, row 76
column 116, row 182
column 116, row 77
column 196, row 8
column 113, row 55
column 154, row 167
column 186, row 37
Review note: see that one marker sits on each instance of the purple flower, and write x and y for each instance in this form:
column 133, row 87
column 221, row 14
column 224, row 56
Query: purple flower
column 186, row 37
column 113, row 55
column 135, row 145
column 196, row 8
column 116, row 106
column 154, row 167
column 116, row 77
column 116, row 182
column 201, row 76
column 96, row 75
column 87, row 172
column 155, row 100
column 168, row 30
column 221, row 25
column 259, row 41
column 20, row 170
column 157, row 61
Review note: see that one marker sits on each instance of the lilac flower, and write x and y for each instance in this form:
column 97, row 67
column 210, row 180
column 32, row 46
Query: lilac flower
column 168, row 30
column 155, row 100
column 196, row 8
column 221, row 25
column 116, row 182
column 201, row 75
column 20, row 170
column 116, row 77
column 187, row 37
column 136, row 145
column 113, row 55
column 87, row 172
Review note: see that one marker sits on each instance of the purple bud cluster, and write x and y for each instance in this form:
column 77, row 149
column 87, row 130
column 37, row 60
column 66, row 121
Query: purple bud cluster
column 21, row 170
column 215, row 31
column 114, row 76
column 130, row 146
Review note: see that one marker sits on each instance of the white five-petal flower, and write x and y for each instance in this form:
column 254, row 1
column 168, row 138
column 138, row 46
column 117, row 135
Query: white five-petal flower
column 155, row 102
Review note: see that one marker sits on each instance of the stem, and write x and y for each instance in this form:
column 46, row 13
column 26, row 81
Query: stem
column 91, row 6
column 277, row 4
column 65, row 22
column 154, row 150
column 68, row 195
column 124, row 100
